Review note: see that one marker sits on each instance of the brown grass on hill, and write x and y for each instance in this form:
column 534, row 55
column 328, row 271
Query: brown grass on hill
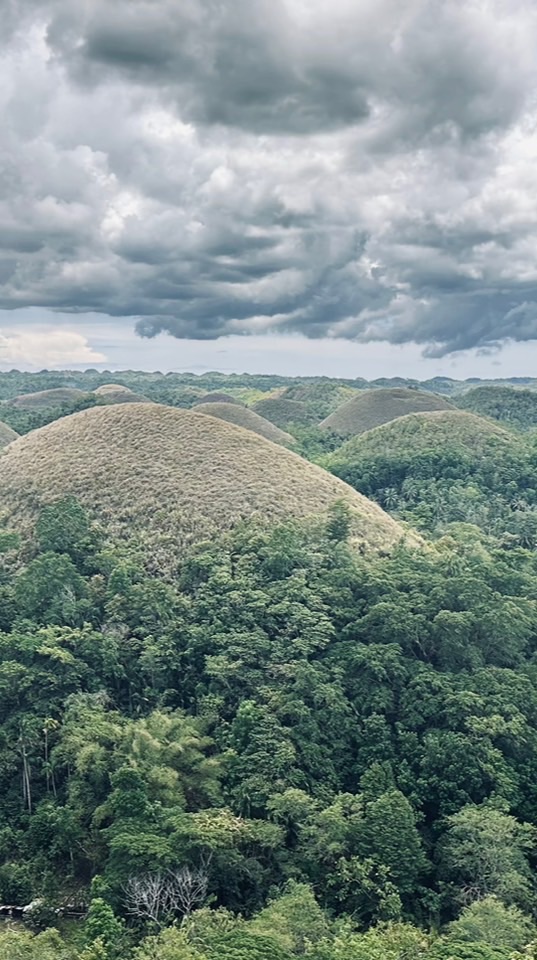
column 160, row 477
column 417, row 432
column 117, row 393
column 281, row 412
column 7, row 434
column 371, row 408
column 56, row 397
column 242, row 417
column 217, row 397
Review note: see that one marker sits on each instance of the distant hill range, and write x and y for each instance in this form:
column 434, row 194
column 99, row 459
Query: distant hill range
column 188, row 387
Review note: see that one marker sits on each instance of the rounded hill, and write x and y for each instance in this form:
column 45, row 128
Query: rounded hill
column 242, row 417
column 56, row 397
column 415, row 433
column 374, row 407
column 442, row 467
column 117, row 393
column 320, row 398
column 509, row 405
column 161, row 477
column 217, row 398
column 7, row 435
column 280, row 411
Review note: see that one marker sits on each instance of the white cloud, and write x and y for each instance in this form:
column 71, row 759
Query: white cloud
column 47, row 349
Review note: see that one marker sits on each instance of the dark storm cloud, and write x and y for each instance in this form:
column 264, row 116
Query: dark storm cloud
column 360, row 170
column 234, row 63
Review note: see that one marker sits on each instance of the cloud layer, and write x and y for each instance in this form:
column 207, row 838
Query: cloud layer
column 213, row 167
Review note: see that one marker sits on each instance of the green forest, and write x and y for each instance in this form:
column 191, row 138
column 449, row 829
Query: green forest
column 280, row 740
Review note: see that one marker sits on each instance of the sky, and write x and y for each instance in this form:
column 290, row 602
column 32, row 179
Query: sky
column 291, row 186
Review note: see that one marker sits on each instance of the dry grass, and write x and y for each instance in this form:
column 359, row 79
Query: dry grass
column 417, row 432
column 161, row 477
column 7, row 434
column 217, row 398
column 57, row 397
column 242, row 417
column 373, row 407
column 117, row 393
column 281, row 411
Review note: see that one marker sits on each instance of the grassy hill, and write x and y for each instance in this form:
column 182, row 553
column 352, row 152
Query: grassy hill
column 282, row 412
column 43, row 399
column 6, row 434
column 320, row 398
column 374, row 407
column 217, row 397
column 242, row 417
column 415, row 433
column 515, row 408
column 443, row 466
column 117, row 393
column 162, row 477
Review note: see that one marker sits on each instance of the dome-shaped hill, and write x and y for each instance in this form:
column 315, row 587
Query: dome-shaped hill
column 509, row 405
column 434, row 430
column 117, row 393
column 56, row 397
column 280, row 411
column 242, row 417
column 217, row 398
column 374, row 407
column 161, row 477
column 320, row 398
column 6, row 435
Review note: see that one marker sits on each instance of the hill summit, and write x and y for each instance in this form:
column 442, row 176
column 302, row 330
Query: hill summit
column 374, row 407
column 433, row 430
column 118, row 393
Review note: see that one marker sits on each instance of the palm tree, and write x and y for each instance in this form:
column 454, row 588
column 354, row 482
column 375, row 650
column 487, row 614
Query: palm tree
column 390, row 498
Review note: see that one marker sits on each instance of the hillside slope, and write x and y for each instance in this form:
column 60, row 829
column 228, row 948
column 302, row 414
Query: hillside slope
column 243, row 417
column 515, row 408
column 281, row 411
column 433, row 430
column 6, row 434
column 374, row 407
column 444, row 466
column 56, row 397
column 163, row 477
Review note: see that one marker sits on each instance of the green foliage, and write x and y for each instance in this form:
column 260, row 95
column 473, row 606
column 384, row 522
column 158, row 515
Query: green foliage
column 344, row 744
column 443, row 468
column 386, row 941
column 51, row 591
column 490, row 921
column 515, row 407
column 449, row 950
column 23, row 945
column 102, row 925
column 64, row 527
column 294, row 919
column 485, row 851
column 171, row 944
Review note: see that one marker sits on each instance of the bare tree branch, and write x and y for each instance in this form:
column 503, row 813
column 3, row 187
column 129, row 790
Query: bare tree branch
column 159, row 896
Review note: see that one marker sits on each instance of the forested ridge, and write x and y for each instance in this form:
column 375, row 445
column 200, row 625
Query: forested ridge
column 280, row 744
column 351, row 741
